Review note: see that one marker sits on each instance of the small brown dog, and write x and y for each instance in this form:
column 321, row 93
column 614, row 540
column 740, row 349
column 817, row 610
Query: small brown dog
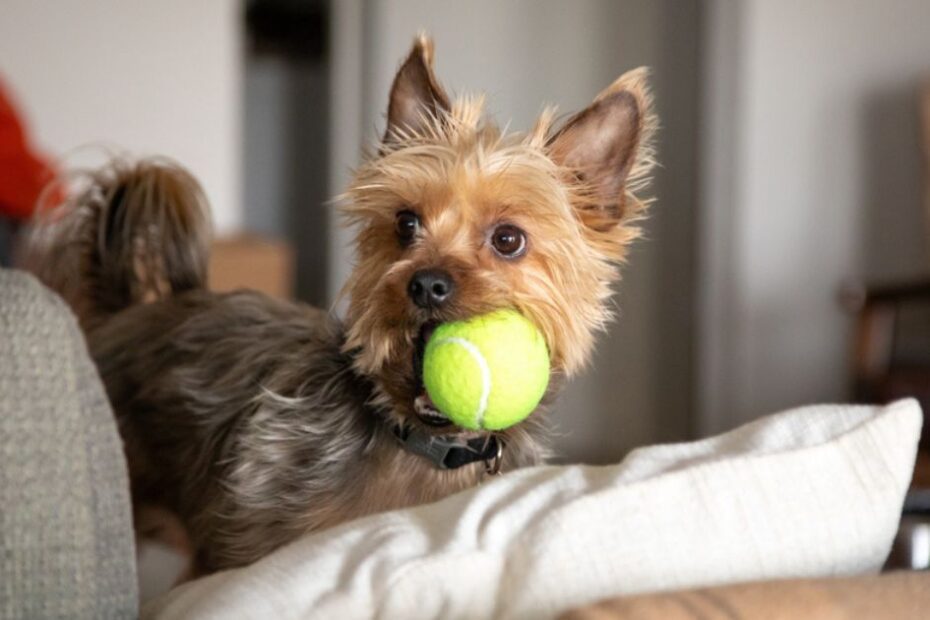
column 256, row 421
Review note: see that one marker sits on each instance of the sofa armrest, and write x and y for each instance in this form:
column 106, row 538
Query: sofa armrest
column 66, row 538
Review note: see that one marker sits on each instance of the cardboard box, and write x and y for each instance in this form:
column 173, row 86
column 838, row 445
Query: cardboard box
column 253, row 262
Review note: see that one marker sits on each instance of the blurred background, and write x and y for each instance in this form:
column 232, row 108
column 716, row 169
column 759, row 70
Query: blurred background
column 790, row 228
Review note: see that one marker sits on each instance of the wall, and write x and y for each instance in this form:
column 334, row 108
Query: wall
column 287, row 157
column 525, row 54
column 812, row 179
column 151, row 78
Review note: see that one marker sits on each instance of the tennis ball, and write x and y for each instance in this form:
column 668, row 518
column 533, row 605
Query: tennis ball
column 488, row 372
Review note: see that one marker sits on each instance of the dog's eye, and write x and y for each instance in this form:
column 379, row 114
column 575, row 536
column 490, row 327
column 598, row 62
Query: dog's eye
column 508, row 241
column 406, row 225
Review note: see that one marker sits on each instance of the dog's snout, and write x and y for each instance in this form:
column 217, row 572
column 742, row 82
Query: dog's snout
column 430, row 288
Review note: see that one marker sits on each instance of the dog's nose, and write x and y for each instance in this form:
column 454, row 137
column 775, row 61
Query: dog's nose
column 430, row 288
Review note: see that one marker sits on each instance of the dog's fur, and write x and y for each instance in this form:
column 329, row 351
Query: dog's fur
column 257, row 420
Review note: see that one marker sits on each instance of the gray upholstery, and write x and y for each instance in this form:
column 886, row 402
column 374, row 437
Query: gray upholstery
column 66, row 542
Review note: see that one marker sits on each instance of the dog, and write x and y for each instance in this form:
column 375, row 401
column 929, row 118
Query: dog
column 256, row 420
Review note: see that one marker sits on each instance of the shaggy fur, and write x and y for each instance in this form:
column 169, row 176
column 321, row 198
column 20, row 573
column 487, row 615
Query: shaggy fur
column 256, row 420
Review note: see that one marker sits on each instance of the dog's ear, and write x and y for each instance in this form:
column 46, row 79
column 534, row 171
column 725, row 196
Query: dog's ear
column 416, row 96
column 606, row 146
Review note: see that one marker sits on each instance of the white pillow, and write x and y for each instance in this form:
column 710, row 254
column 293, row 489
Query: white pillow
column 811, row 492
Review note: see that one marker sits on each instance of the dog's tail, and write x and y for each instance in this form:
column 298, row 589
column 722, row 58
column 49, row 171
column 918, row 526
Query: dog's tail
column 130, row 232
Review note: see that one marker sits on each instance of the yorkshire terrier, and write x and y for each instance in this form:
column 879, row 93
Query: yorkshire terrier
column 255, row 420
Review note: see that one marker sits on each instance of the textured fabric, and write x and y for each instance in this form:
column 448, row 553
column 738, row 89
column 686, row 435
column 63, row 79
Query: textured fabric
column 66, row 542
column 807, row 493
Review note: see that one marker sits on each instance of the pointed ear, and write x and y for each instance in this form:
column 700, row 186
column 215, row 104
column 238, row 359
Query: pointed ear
column 416, row 94
column 606, row 146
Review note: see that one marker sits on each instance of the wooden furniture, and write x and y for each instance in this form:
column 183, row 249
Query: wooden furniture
column 889, row 361
column 252, row 262
column 898, row 596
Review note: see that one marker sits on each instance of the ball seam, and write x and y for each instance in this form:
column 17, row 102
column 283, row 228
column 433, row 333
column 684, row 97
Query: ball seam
column 485, row 374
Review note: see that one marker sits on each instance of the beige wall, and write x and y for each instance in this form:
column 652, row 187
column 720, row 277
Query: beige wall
column 812, row 178
column 149, row 77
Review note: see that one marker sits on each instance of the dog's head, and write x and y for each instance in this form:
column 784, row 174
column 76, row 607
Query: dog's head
column 455, row 218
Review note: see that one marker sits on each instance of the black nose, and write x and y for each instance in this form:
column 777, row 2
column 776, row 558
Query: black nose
column 430, row 288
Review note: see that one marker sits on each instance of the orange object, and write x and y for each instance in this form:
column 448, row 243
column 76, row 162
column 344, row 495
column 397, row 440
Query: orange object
column 253, row 262
column 23, row 173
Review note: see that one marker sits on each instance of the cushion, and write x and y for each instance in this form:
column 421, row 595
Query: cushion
column 811, row 492
column 66, row 539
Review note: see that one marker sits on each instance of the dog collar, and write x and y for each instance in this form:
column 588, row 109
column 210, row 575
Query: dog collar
column 450, row 451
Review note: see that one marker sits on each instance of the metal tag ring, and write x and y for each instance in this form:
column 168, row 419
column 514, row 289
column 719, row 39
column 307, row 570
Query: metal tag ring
column 492, row 466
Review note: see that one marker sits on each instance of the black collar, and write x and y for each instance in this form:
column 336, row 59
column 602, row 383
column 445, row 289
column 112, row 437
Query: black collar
column 451, row 451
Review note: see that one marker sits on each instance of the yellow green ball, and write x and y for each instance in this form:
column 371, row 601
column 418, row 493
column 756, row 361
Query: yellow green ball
column 488, row 372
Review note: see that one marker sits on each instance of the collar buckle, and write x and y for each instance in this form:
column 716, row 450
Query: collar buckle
column 451, row 451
